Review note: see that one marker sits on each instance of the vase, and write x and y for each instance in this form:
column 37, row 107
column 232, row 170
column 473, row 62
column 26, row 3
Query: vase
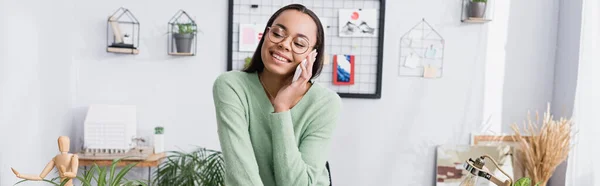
column 477, row 9
column 159, row 140
column 183, row 42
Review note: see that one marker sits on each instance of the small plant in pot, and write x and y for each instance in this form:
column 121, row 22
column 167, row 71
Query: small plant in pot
column 202, row 167
column 477, row 8
column 184, row 37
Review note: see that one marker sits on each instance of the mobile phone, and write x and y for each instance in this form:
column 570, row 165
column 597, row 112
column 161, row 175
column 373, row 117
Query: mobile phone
column 298, row 71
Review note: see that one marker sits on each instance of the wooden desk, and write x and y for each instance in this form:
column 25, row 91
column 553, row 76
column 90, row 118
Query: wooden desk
column 153, row 160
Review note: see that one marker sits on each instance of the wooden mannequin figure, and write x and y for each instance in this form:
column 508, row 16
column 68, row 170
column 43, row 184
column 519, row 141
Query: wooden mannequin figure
column 65, row 162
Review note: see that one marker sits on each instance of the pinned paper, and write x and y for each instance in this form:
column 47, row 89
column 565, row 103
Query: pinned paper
column 343, row 72
column 249, row 36
column 429, row 72
column 357, row 23
column 430, row 52
column 412, row 61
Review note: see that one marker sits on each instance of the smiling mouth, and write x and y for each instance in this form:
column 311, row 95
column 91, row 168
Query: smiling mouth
column 280, row 58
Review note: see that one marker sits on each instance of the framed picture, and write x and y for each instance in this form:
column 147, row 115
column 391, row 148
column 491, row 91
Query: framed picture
column 450, row 162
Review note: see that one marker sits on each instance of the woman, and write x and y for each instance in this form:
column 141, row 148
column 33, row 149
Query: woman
column 272, row 130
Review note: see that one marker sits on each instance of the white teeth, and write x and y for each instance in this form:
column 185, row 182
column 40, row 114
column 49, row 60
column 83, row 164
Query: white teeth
column 279, row 57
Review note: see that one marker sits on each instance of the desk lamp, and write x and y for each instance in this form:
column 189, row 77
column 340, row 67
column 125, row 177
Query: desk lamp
column 476, row 170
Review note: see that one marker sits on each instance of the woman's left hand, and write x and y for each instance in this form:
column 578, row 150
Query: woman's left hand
column 289, row 94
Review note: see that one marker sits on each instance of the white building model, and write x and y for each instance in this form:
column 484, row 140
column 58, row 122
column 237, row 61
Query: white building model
column 110, row 129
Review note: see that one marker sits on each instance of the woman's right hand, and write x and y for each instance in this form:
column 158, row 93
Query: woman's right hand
column 289, row 94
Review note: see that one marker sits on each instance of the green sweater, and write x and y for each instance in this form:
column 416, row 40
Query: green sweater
column 261, row 147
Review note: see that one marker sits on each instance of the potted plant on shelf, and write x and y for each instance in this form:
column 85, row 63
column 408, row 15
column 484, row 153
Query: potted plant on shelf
column 199, row 167
column 184, row 37
column 477, row 8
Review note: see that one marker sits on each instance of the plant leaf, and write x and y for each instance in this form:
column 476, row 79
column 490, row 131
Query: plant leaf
column 525, row 181
column 21, row 182
column 113, row 166
column 48, row 181
column 84, row 181
column 122, row 173
column 199, row 167
column 102, row 177
column 87, row 178
column 64, row 182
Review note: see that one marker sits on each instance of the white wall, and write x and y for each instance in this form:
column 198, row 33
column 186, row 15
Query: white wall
column 566, row 68
column 530, row 57
column 174, row 92
column 390, row 141
column 35, row 85
column 454, row 103
column 582, row 161
column 567, row 57
column 20, row 96
column 171, row 91
column 2, row 66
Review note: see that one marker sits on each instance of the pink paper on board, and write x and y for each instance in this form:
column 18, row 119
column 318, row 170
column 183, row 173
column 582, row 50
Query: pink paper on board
column 248, row 36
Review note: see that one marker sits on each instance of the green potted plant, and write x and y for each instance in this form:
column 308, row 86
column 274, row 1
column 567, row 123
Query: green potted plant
column 184, row 37
column 105, row 177
column 199, row 167
column 477, row 8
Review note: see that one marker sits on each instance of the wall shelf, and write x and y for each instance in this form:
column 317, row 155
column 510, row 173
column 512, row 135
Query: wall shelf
column 181, row 54
column 182, row 35
column 475, row 20
column 481, row 11
column 122, row 50
column 122, row 32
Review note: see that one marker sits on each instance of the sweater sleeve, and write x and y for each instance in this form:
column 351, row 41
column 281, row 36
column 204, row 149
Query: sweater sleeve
column 240, row 163
column 302, row 165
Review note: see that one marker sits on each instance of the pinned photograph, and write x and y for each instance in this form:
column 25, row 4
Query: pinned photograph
column 358, row 23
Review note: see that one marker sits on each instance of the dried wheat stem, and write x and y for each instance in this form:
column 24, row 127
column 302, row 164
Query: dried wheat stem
column 543, row 146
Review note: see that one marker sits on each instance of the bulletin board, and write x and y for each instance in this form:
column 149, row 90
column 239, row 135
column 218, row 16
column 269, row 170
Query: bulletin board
column 353, row 40
column 421, row 52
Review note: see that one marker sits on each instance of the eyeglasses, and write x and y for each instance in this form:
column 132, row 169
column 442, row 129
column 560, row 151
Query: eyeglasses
column 300, row 44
